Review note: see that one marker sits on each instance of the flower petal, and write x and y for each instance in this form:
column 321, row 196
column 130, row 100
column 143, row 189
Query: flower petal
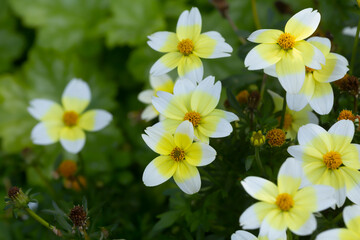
column 45, row 110
column 160, row 141
column 315, row 198
column 352, row 181
column 76, row 96
column 274, row 224
column 94, row 120
column 314, row 135
column 146, row 96
column 260, row 189
column 214, row 126
column 242, row 235
column 265, row 36
column 212, row 45
column 187, row 177
column 191, row 67
column 343, row 132
column 301, row 222
column 200, row 154
column 184, row 86
column 159, row 170
column 351, row 215
column 335, row 68
column 163, row 41
column 206, row 96
column 296, row 101
column 321, row 43
column 252, row 217
column 149, row 113
column 289, row 176
column 184, row 135
column 72, row 139
column 303, row 23
column 162, row 83
column 263, row 56
column 47, row 132
column 311, row 55
column 291, row 71
column 337, row 234
column 171, row 106
column 322, row 100
column 166, row 63
column 189, row 25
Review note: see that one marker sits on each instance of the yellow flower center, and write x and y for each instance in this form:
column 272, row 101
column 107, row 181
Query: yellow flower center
column 186, row 46
column 70, row 118
column 346, row 114
column 286, row 41
column 177, row 154
column 287, row 121
column 276, row 137
column 193, row 117
column 284, row 201
column 332, row 160
column 309, row 70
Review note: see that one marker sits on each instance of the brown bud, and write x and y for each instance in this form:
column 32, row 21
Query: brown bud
column 222, row 6
column 78, row 216
column 349, row 84
column 243, row 96
column 13, row 192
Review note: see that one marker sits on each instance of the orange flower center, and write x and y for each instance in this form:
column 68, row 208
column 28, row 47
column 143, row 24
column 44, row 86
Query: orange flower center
column 287, row 121
column 346, row 114
column 186, row 46
column 177, row 154
column 284, row 201
column 70, row 118
column 193, row 117
column 309, row 70
column 332, row 160
column 286, row 41
column 276, row 137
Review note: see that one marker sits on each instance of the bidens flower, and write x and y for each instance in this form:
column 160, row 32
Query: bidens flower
column 67, row 123
column 185, row 47
column 287, row 50
column 178, row 158
column 196, row 104
column 158, row 83
column 293, row 119
column 284, row 206
column 351, row 215
column 329, row 158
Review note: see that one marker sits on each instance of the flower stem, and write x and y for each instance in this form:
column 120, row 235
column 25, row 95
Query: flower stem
column 255, row 14
column 355, row 104
column 283, row 114
column 353, row 56
column 258, row 161
column 56, row 231
column 262, row 89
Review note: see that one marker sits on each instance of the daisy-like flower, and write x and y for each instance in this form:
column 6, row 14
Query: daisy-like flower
column 67, row 123
column 284, row 206
column 351, row 215
column 329, row 158
column 196, row 104
column 287, row 50
column 185, row 47
column 179, row 157
column 244, row 235
column 293, row 119
column 158, row 83
column 317, row 90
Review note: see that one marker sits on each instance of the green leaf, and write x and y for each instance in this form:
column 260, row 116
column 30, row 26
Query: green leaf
column 166, row 220
column 248, row 162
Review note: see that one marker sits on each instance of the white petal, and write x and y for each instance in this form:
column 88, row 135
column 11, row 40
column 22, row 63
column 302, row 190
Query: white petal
column 296, row 101
column 166, row 63
column 149, row 113
column 184, row 86
column 230, row 116
column 303, row 23
column 271, row 70
column 72, row 139
column 349, row 31
column 221, row 48
column 350, row 213
column 310, row 131
column 146, row 96
column 200, row 154
column 322, row 100
column 343, row 128
column 187, row 177
column 43, row 109
column 158, row 171
column 163, row 41
column 76, row 96
column 242, row 235
column 189, row 24
column 260, row 188
column 95, row 120
column 45, row 133
column 325, row 196
column 308, row 227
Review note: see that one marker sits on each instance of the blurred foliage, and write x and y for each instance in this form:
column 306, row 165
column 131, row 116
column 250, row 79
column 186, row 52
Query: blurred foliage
column 44, row 44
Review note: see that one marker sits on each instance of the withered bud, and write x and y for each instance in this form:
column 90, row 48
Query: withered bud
column 243, row 96
column 78, row 216
column 253, row 100
column 13, row 192
column 18, row 198
column 349, row 84
column 222, row 6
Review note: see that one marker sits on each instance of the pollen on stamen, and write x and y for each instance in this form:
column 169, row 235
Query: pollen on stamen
column 193, row 117
column 309, row 70
column 284, row 201
column 332, row 160
column 70, row 118
column 286, row 41
column 186, row 46
column 177, row 154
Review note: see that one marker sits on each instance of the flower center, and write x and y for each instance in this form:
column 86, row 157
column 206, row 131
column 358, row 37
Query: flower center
column 346, row 114
column 309, row 70
column 276, row 137
column 186, row 46
column 284, row 201
column 286, row 41
column 287, row 121
column 70, row 118
column 177, row 154
column 193, row 117
column 332, row 160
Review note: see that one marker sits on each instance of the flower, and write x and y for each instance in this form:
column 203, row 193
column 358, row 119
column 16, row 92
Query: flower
column 67, row 123
column 79, row 218
column 67, row 168
column 293, row 119
column 276, row 137
column 257, row 139
column 185, row 47
column 178, row 158
column 317, row 90
column 284, row 206
column 243, row 235
column 243, row 96
column 346, row 114
column 287, row 51
column 351, row 215
column 158, row 83
column 329, row 158
column 196, row 104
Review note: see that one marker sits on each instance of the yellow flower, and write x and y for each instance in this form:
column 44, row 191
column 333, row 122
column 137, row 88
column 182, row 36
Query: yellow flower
column 293, row 119
column 158, row 83
column 329, row 158
column 287, row 51
column 285, row 205
column 185, row 47
column 179, row 156
column 67, row 123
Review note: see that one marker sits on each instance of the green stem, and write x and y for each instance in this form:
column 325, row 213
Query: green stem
column 289, row 235
column 52, row 228
column 255, row 14
column 337, row 218
column 353, row 56
column 262, row 90
column 355, row 104
column 283, row 114
column 258, row 161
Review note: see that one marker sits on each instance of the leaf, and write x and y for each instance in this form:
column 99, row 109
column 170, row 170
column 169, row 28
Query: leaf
column 248, row 162
column 63, row 223
column 84, row 203
column 166, row 220
column 234, row 103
